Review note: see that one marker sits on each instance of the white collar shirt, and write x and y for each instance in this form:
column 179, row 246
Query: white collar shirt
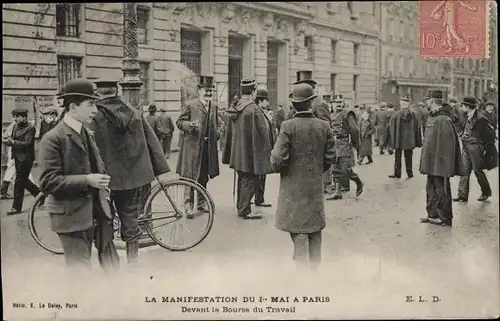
column 73, row 123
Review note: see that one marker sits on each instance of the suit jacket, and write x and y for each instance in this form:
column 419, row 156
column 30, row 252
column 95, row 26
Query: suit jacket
column 23, row 142
column 64, row 164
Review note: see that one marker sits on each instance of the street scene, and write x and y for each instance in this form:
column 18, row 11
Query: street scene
column 160, row 162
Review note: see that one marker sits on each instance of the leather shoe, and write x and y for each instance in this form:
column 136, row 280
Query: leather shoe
column 482, row 198
column 263, row 205
column 13, row 211
column 459, row 199
column 394, row 176
column 440, row 222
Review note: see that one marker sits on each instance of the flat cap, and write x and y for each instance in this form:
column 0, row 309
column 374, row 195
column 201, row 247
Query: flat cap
column 20, row 112
column 247, row 82
column 106, row 83
column 438, row 94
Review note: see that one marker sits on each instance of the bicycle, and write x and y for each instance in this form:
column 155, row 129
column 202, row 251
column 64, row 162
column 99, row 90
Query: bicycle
column 147, row 219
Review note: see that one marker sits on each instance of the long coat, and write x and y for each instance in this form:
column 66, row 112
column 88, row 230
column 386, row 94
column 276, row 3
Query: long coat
column 381, row 122
column 128, row 145
column 481, row 141
column 404, row 130
column 441, row 149
column 304, row 149
column 192, row 144
column 249, row 138
column 366, row 130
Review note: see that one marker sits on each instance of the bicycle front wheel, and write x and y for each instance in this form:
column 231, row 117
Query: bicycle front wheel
column 40, row 227
column 178, row 214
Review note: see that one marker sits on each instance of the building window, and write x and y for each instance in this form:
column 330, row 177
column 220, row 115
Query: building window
column 272, row 72
column 144, row 92
column 190, row 55
column 412, row 68
column 401, row 30
column 483, row 64
column 309, row 45
column 68, row 68
column 142, row 24
column 355, row 54
column 235, row 65
column 334, row 50
column 388, row 65
column 68, row 20
column 355, row 86
column 469, row 86
column 333, row 78
column 374, row 8
column 390, row 29
column 477, row 87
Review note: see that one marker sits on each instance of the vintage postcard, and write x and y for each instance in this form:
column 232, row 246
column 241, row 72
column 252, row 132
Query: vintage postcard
column 250, row 160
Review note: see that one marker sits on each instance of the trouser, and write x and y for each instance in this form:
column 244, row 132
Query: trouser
column 307, row 247
column 439, row 203
column 247, row 185
column 260, row 187
column 408, row 161
column 77, row 247
column 202, row 179
column 342, row 171
column 463, row 186
column 166, row 142
column 128, row 204
column 23, row 169
column 327, row 178
column 370, row 159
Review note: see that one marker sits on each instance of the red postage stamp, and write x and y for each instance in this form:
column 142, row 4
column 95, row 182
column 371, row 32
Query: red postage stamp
column 454, row 28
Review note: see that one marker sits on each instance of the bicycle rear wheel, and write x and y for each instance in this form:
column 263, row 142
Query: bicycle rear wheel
column 178, row 214
column 40, row 227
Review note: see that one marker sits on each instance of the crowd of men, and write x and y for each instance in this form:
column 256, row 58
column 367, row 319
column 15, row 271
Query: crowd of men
column 101, row 145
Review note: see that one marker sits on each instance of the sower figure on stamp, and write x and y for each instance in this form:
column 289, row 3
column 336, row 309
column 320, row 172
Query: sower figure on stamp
column 132, row 155
column 74, row 178
column 440, row 160
column 404, row 133
column 478, row 134
column 248, row 147
column 198, row 155
column 303, row 151
column 22, row 148
column 346, row 134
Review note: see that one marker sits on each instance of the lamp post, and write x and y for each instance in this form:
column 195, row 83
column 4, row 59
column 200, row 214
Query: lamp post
column 131, row 83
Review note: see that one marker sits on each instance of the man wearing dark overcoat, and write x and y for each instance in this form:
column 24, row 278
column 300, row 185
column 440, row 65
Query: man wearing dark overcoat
column 74, row 178
column 458, row 116
column 280, row 116
column 165, row 129
column 48, row 122
column 304, row 150
column 248, row 147
column 346, row 133
column 22, row 144
column 152, row 119
column 491, row 114
column 132, row 155
column 440, row 160
column 383, row 119
column 405, row 135
column 198, row 155
column 477, row 135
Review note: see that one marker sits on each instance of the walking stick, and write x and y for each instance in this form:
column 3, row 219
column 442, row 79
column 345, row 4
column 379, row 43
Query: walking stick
column 234, row 187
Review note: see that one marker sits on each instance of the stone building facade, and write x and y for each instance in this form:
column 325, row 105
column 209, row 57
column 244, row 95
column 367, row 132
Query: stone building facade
column 47, row 44
column 402, row 71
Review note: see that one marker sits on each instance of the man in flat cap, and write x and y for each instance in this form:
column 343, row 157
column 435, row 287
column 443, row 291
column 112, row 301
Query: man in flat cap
column 248, row 147
column 49, row 121
column 404, row 133
column 133, row 157
column 477, row 135
column 200, row 129
column 440, row 160
column 304, row 150
column 22, row 144
column 75, row 180
column 346, row 133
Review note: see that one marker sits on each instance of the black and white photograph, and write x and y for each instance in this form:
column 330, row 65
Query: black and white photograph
column 250, row 160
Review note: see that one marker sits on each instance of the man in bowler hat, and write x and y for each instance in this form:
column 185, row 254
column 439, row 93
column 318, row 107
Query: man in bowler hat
column 248, row 147
column 477, row 135
column 440, row 160
column 133, row 157
column 74, row 178
column 200, row 130
column 304, row 150
column 152, row 119
column 22, row 144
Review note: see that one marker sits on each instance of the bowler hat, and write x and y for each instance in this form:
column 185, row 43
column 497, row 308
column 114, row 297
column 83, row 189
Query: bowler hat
column 302, row 92
column 438, row 94
column 106, row 83
column 405, row 98
column 305, row 76
column 469, row 101
column 262, row 93
column 20, row 112
column 247, row 82
column 338, row 98
column 152, row 107
column 453, row 100
column 390, row 105
column 206, row 82
column 327, row 97
column 78, row 87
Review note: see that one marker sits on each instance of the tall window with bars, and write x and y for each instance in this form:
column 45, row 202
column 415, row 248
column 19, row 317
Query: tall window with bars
column 309, row 45
column 68, row 20
column 355, row 54
column 144, row 91
column 68, row 68
column 142, row 24
column 190, row 55
column 333, row 44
